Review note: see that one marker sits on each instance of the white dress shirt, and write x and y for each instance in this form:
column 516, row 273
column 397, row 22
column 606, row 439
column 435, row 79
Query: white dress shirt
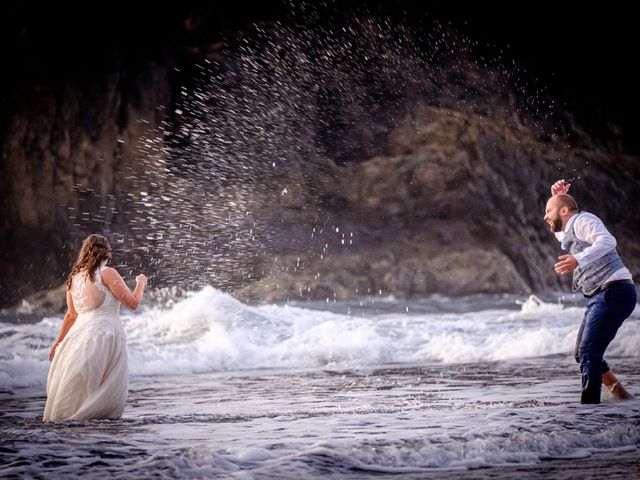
column 590, row 229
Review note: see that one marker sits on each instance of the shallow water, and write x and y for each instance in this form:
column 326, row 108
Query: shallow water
column 487, row 389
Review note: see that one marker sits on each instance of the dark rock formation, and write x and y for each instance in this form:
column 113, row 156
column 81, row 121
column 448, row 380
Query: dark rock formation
column 447, row 200
column 456, row 208
column 69, row 149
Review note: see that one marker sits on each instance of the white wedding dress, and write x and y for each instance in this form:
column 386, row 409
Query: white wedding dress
column 89, row 377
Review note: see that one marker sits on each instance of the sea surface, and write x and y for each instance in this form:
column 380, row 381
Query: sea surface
column 478, row 387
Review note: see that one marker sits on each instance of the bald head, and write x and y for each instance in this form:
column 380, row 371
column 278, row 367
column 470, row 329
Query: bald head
column 565, row 200
column 560, row 208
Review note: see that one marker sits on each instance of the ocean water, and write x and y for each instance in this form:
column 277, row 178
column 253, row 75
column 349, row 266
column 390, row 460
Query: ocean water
column 476, row 387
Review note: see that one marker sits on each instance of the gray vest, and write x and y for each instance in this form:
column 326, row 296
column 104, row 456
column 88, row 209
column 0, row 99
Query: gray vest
column 590, row 278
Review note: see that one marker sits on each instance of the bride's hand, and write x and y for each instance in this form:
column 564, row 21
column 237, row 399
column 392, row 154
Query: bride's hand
column 53, row 351
column 142, row 278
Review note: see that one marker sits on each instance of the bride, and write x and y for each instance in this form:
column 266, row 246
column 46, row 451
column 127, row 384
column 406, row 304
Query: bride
column 88, row 377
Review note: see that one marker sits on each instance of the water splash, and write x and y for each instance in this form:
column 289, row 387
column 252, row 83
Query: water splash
column 238, row 169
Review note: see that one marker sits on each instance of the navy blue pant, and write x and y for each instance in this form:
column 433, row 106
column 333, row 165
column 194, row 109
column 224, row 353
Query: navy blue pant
column 605, row 313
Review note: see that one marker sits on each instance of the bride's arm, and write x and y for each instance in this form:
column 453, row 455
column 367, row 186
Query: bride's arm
column 114, row 282
column 67, row 323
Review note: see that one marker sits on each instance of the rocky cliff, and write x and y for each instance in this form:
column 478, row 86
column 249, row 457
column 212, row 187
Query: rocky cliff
column 69, row 150
column 438, row 190
column 455, row 208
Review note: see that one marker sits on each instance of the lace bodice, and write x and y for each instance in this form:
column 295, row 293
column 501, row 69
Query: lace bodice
column 89, row 296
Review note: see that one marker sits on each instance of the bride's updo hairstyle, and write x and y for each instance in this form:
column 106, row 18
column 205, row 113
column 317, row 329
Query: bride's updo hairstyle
column 95, row 250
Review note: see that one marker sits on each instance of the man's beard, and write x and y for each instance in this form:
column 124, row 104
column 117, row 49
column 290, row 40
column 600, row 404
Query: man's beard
column 557, row 225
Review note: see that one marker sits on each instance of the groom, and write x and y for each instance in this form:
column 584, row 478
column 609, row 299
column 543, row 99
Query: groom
column 600, row 274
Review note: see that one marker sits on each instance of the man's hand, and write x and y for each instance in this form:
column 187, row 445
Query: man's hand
column 566, row 264
column 560, row 188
